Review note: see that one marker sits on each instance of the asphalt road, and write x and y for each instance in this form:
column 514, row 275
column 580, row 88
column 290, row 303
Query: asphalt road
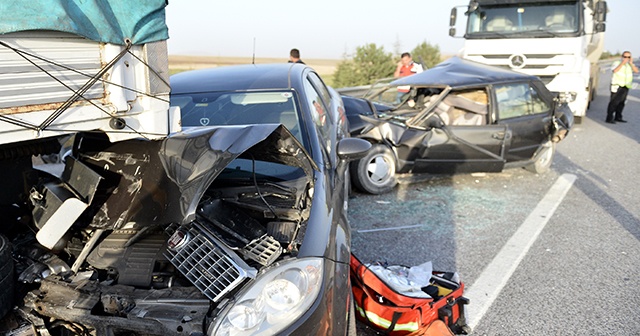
column 579, row 274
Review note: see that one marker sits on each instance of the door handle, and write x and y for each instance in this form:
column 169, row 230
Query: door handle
column 498, row 135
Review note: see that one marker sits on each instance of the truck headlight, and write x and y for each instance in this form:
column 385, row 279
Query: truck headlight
column 276, row 299
column 567, row 97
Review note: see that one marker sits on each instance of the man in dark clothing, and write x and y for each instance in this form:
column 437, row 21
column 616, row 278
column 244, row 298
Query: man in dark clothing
column 294, row 56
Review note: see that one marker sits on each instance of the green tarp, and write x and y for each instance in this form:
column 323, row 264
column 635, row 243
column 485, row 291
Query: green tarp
column 110, row 21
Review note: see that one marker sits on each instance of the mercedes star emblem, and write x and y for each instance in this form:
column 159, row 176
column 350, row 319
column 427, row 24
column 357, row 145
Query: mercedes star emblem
column 517, row 61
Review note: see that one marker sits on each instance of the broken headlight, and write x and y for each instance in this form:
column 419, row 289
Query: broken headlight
column 276, row 299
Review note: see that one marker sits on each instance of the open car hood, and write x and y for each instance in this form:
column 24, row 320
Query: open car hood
column 159, row 182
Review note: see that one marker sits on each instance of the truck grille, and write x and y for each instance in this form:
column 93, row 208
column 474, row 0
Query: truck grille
column 207, row 263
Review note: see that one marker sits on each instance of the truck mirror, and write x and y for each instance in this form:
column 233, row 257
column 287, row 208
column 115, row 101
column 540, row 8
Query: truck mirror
column 452, row 18
column 601, row 11
column 452, row 31
column 600, row 27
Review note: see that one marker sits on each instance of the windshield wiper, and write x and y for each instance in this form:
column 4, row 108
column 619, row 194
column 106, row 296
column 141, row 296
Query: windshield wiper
column 491, row 34
column 539, row 30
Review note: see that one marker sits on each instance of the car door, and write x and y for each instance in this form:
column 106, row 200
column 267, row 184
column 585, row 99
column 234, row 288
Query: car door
column 527, row 114
column 449, row 147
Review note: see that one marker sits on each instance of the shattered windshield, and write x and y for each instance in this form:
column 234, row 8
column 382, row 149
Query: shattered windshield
column 530, row 20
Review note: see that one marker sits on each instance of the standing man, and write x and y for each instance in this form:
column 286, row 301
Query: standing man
column 621, row 82
column 407, row 66
column 294, row 56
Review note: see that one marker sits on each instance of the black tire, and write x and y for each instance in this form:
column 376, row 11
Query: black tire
column 376, row 172
column 544, row 158
column 6, row 276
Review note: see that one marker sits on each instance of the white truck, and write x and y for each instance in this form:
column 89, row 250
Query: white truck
column 559, row 41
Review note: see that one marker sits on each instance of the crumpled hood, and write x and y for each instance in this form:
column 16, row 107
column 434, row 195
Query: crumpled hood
column 160, row 182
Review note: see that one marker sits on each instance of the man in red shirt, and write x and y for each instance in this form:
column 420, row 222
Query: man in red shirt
column 406, row 67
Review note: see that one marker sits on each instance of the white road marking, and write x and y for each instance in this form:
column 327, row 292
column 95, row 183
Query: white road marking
column 391, row 228
column 632, row 98
column 495, row 276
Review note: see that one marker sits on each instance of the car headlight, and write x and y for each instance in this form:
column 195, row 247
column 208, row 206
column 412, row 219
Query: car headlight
column 276, row 299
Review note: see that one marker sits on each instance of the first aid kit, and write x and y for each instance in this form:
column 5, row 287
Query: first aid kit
column 399, row 313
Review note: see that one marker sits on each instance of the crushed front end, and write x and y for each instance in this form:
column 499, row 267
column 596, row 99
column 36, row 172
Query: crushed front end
column 158, row 237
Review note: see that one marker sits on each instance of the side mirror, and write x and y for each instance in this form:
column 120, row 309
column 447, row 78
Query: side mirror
column 452, row 17
column 601, row 11
column 350, row 149
column 600, row 27
column 452, row 22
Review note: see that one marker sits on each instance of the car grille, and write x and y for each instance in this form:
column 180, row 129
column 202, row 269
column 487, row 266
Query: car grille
column 208, row 264
column 264, row 250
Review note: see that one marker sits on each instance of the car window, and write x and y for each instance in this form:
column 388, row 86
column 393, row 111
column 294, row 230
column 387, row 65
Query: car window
column 515, row 100
column 320, row 88
column 239, row 108
column 318, row 110
column 539, row 104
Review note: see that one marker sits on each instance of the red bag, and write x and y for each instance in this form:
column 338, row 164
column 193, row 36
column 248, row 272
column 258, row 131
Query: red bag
column 386, row 310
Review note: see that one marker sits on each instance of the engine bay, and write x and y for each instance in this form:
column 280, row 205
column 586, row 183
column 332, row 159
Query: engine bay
column 151, row 270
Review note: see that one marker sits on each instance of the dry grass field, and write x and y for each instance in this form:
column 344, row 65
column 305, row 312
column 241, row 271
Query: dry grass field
column 178, row 63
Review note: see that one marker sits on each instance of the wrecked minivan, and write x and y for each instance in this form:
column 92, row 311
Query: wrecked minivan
column 459, row 116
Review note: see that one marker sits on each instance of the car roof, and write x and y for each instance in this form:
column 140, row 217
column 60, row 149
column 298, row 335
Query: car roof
column 238, row 78
column 457, row 72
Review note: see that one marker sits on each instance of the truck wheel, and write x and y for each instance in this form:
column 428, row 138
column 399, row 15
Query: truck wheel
column 6, row 276
column 376, row 172
column 542, row 164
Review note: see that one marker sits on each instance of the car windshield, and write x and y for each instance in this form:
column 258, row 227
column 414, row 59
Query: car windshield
column 531, row 20
column 392, row 96
column 239, row 108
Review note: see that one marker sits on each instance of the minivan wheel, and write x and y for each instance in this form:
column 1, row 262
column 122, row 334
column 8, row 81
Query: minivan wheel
column 543, row 161
column 376, row 172
column 6, row 276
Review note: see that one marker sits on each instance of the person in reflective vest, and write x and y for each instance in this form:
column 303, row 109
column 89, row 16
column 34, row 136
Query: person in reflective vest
column 621, row 82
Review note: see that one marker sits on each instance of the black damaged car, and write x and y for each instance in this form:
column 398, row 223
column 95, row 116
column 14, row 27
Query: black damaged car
column 235, row 226
column 459, row 116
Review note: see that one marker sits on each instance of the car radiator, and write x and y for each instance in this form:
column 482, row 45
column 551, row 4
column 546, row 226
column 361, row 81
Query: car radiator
column 205, row 261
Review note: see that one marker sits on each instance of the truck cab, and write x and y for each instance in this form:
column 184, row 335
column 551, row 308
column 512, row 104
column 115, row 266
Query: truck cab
column 559, row 41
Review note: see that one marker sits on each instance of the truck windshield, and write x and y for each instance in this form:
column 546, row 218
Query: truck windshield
column 524, row 20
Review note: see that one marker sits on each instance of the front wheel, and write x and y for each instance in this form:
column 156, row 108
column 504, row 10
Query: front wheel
column 542, row 164
column 376, row 172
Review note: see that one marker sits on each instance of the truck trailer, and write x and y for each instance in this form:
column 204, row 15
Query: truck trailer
column 78, row 66
column 559, row 41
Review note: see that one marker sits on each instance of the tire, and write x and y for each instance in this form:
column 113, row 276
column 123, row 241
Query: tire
column 544, row 158
column 376, row 172
column 6, row 277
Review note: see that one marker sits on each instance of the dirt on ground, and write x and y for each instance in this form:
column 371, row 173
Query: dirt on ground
column 178, row 63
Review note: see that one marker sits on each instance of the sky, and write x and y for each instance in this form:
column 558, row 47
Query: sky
column 332, row 29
